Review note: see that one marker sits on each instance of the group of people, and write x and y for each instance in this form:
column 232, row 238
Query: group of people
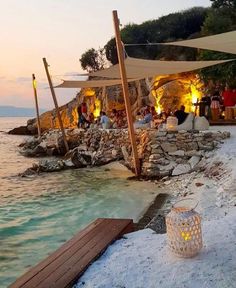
column 116, row 119
column 211, row 106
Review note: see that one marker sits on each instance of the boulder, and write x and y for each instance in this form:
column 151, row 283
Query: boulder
column 181, row 169
column 200, row 123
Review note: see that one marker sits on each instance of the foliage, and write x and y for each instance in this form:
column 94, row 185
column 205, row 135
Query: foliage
column 219, row 20
column 175, row 26
column 93, row 60
column 223, row 3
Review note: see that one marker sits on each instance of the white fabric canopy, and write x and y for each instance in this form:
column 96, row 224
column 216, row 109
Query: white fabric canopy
column 140, row 68
column 224, row 42
column 90, row 83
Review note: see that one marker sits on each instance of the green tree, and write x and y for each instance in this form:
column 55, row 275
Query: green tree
column 223, row 3
column 175, row 26
column 93, row 60
column 221, row 18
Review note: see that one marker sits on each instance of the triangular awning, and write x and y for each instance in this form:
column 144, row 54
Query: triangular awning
column 140, row 68
column 224, row 42
column 91, row 83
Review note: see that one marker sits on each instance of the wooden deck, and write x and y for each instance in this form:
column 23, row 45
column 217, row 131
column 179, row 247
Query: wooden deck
column 222, row 122
column 64, row 267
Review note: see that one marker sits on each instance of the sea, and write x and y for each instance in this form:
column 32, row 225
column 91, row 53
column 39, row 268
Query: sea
column 38, row 214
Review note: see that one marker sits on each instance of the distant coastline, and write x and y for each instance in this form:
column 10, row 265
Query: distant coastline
column 12, row 111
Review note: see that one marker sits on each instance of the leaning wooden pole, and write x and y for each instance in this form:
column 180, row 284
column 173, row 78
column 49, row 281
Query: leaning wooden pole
column 36, row 104
column 56, row 104
column 120, row 53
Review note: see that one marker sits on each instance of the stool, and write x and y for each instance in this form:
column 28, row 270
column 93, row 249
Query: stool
column 229, row 113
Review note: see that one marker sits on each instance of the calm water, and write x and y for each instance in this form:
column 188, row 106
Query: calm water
column 38, row 214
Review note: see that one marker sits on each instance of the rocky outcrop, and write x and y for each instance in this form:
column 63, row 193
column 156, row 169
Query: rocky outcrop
column 161, row 153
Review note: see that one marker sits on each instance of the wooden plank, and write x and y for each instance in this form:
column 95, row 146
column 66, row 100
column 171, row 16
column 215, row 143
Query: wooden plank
column 81, row 259
column 36, row 269
column 66, row 264
column 59, row 261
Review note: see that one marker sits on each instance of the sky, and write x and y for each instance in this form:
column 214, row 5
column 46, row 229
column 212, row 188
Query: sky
column 61, row 31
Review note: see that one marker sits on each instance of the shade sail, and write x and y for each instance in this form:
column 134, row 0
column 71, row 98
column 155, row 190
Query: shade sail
column 90, row 83
column 224, row 42
column 140, row 68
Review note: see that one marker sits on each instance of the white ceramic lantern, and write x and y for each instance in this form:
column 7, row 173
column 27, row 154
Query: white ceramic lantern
column 171, row 123
column 184, row 231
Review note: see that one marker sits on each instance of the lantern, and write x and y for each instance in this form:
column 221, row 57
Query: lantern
column 171, row 123
column 184, row 231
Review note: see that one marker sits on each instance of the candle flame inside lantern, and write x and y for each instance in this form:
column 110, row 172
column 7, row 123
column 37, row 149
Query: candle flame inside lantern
column 186, row 236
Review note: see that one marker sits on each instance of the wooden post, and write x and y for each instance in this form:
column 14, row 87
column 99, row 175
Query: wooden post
column 56, row 104
column 120, row 53
column 36, row 104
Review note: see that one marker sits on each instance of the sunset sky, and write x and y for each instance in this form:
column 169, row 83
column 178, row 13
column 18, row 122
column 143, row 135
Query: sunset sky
column 61, row 30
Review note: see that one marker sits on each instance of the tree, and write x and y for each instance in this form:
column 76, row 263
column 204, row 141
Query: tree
column 175, row 26
column 93, row 60
column 223, row 3
column 221, row 18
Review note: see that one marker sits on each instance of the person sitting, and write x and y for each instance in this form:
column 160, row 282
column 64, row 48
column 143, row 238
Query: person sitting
column 153, row 112
column 181, row 115
column 147, row 116
column 215, row 105
column 139, row 116
column 105, row 121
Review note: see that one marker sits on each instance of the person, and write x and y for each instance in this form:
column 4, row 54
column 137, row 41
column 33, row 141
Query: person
column 105, row 121
column 181, row 115
column 91, row 118
column 215, row 106
column 153, row 112
column 228, row 97
column 204, row 106
column 147, row 116
column 82, row 116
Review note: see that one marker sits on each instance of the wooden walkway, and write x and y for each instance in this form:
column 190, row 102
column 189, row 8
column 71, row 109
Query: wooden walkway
column 64, row 267
column 222, row 122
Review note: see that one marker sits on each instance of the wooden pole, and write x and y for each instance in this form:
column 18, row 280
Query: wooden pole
column 120, row 53
column 36, row 104
column 56, row 104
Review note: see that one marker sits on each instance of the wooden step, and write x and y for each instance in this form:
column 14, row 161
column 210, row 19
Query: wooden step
column 64, row 267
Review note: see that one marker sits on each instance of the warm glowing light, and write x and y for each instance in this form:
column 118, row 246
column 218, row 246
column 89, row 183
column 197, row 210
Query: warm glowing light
column 97, row 109
column 196, row 95
column 186, row 236
column 34, row 84
column 158, row 109
column 89, row 92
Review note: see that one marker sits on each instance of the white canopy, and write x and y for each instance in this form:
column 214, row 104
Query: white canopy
column 90, row 83
column 140, row 68
column 224, row 42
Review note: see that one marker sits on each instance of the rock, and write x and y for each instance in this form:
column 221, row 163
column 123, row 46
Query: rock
column 50, row 165
column 80, row 159
column 168, row 147
column 198, row 184
column 181, row 169
column 201, row 123
column 193, row 161
column 177, row 153
column 161, row 133
column 22, row 130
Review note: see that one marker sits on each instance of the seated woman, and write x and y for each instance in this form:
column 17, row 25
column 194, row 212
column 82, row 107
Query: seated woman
column 105, row 121
column 146, row 121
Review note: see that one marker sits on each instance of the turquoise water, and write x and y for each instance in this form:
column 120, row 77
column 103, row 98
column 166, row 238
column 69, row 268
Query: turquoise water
column 38, row 214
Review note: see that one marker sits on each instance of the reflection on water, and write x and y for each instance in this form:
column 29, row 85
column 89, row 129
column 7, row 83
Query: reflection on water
column 38, row 214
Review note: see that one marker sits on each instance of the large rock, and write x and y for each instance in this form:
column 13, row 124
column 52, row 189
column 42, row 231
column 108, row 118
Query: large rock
column 168, row 147
column 22, row 130
column 181, row 169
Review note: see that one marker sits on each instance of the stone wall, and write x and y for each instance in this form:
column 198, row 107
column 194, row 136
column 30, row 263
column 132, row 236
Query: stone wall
column 161, row 153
